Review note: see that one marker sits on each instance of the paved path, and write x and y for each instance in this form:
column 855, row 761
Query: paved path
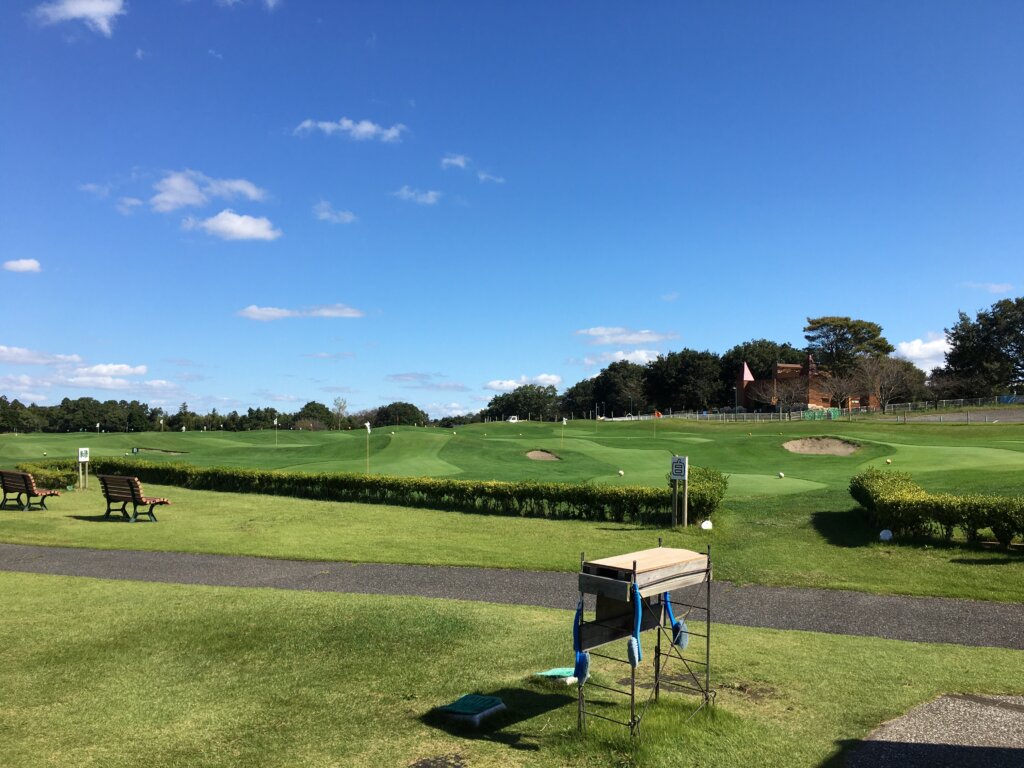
column 938, row 620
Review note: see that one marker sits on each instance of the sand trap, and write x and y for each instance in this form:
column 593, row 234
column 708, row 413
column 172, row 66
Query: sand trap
column 542, row 456
column 159, row 450
column 821, row 446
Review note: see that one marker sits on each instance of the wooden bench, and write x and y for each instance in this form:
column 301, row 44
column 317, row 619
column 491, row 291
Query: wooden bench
column 18, row 484
column 125, row 491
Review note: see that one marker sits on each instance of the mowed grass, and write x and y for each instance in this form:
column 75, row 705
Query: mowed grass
column 800, row 530
column 123, row 674
column 771, row 542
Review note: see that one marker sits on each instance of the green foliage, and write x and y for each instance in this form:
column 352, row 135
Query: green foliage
column 531, row 401
column 894, row 501
column 687, row 380
column 986, row 355
column 53, row 475
column 577, row 501
column 837, row 342
column 398, row 413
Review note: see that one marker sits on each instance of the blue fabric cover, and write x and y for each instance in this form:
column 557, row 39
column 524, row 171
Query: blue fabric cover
column 680, row 634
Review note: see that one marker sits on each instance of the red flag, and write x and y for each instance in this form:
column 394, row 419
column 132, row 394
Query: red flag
column 657, row 414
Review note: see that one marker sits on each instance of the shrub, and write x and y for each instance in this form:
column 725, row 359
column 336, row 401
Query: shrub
column 894, row 501
column 525, row 499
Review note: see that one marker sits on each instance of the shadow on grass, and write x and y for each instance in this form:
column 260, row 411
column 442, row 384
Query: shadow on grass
column 989, row 560
column 845, row 528
column 521, row 704
column 854, row 753
column 100, row 518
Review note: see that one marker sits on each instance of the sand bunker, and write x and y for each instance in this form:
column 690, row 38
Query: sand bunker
column 821, row 446
column 542, row 456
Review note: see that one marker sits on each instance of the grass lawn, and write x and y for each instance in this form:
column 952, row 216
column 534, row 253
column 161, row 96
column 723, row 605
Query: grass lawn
column 767, row 541
column 125, row 674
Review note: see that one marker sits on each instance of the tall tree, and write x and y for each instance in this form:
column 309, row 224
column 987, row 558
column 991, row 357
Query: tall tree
column 986, row 355
column 399, row 413
column 837, row 342
column 313, row 415
column 579, row 398
column 619, row 388
column 527, row 401
column 890, row 379
column 684, row 380
column 340, row 406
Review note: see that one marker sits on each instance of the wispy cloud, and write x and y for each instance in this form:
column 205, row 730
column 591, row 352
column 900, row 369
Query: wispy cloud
column 23, row 265
column 324, row 211
column 128, row 205
column 484, row 177
column 507, row 385
column 253, row 312
column 447, row 409
column 671, row 296
column 98, row 382
column 140, row 54
column 229, row 225
column 454, row 161
column 182, row 189
column 996, row 288
column 97, row 190
column 112, row 369
column 362, row 130
column 925, row 353
column 602, row 335
column 98, row 15
column 421, row 197
column 431, row 381
column 22, row 356
column 638, row 356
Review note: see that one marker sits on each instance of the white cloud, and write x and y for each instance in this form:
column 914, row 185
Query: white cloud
column 601, row 335
column 324, row 211
column 98, row 15
column 99, row 190
column 997, row 288
column 925, row 354
column 271, row 4
column 483, row 176
column 447, row 409
column 507, row 385
column 454, row 161
column 160, row 385
column 180, row 189
column 23, row 265
column 113, row 369
column 638, row 356
column 98, row 382
column 22, row 356
column 139, row 54
column 671, row 296
column 229, row 225
column 127, row 205
column 215, row 54
column 421, row 197
column 363, row 130
column 253, row 312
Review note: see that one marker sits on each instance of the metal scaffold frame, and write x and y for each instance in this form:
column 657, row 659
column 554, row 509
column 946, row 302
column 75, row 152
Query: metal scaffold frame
column 616, row 587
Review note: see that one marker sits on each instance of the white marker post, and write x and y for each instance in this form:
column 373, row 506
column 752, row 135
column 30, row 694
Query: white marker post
column 680, row 471
column 83, row 467
column 367, row 425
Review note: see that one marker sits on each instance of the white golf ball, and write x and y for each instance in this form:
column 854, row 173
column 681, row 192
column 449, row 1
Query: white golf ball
column 888, row 461
column 621, row 473
column 885, row 535
column 706, row 525
column 781, row 474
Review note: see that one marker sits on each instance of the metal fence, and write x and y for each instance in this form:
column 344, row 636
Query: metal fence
column 935, row 405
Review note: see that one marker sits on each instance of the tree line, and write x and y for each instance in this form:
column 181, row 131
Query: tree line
column 985, row 358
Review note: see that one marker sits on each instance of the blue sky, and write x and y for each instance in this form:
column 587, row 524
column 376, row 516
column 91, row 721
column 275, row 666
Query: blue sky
column 259, row 203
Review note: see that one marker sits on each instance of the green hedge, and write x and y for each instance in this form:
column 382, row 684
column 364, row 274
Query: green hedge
column 894, row 501
column 526, row 499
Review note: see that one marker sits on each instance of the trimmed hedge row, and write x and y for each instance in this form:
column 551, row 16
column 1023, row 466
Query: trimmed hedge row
column 894, row 501
column 525, row 499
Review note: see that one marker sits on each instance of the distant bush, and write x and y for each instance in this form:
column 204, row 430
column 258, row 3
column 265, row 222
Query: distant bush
column 894, row 501
column 526, row 499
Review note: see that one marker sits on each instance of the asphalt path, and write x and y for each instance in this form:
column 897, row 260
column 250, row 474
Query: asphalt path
column 918, row 619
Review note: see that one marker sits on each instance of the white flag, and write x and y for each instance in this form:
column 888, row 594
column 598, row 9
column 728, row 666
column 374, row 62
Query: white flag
column 564, row 421
column 367, row 425
column 275, row 422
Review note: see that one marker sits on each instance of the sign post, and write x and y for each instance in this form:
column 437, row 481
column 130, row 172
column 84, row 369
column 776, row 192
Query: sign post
column 83, row 467
column 680, row 471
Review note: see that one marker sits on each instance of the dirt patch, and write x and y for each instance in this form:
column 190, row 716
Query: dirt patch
column 542, row 456
column 159, row 450
column 822, row 446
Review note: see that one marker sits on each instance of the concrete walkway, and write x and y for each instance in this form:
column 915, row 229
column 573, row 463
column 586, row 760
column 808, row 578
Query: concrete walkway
column 933, row 620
